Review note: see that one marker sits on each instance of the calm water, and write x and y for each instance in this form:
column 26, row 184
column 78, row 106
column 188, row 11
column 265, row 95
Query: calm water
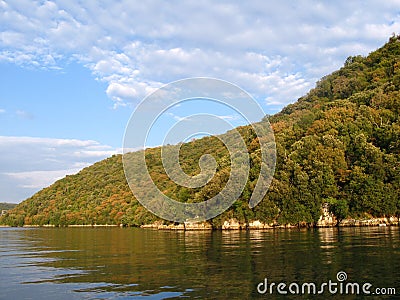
column 128, row 263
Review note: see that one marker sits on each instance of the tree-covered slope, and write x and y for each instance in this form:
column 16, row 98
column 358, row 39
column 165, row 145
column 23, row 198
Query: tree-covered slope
column 340, row 144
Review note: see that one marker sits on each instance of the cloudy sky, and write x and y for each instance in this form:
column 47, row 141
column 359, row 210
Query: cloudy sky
column 72, row 73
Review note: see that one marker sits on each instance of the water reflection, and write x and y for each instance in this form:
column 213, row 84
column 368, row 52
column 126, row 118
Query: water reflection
column 126, row 262
column 329, row 241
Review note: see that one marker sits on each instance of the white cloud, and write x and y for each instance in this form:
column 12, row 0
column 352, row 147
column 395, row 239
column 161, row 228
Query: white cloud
column 176, row 117
column 230, row 117
column 274, row 50
column 28, row 164
column 2, row 111
column 121, row 92
column 38, row 179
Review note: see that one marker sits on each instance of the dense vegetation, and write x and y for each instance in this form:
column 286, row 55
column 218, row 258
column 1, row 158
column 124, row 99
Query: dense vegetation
column 339, row 144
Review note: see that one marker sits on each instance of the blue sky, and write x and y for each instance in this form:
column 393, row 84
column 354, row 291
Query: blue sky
column 72, row 73
column 67, row 103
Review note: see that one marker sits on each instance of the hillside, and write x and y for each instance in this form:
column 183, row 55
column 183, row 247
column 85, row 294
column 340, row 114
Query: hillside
column 339, row 144
column 7, row 206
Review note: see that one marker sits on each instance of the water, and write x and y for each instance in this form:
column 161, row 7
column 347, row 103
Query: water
column 131, row 263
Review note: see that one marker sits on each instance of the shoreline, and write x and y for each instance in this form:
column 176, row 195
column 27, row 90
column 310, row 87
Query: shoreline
column 233, row 224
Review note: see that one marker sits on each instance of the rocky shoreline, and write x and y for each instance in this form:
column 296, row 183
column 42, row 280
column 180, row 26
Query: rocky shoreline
column 234, row 224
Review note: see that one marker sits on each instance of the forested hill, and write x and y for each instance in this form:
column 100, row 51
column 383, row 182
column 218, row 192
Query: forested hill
column 339, row 144
column 6, row 206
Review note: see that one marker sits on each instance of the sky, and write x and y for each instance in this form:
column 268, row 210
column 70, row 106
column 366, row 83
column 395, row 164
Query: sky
column 72, row 72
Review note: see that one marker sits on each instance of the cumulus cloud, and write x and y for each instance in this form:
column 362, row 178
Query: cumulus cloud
column 28, row 164
column 274, row 50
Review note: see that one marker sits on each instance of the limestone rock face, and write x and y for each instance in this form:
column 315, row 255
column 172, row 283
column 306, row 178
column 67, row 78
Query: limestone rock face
column 232, row 224
column 391, row 221
column 327, row 219
column 259, row 225
column 198, row 226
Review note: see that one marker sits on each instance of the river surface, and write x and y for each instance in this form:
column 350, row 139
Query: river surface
column 132, row 263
